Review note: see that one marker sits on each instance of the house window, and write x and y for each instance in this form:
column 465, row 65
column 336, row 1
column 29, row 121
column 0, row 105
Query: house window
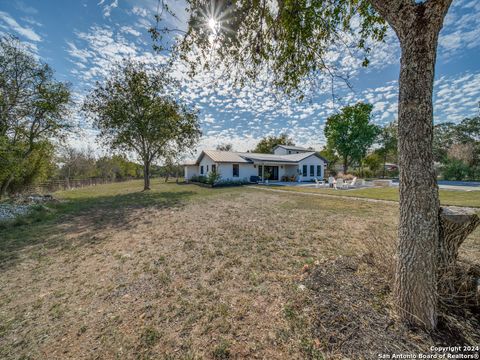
column 304, row 172
column 236, row 170
column 214, row 168
column 289, row 151
column 201, row 169
column 260, row 170
column 319, row 171
column 207, row 168
column 312, row 170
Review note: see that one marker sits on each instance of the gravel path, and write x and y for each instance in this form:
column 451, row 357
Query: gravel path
column 10, row 211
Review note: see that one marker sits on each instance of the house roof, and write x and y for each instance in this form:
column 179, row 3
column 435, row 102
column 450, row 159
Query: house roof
column 239, row 157
column 291, row 158
column 222, row 156
column 190, row 163
column 291, row 147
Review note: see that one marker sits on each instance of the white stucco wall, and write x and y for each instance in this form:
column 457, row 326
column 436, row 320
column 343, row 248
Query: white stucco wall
column 190, row 170
column 245, row 171
column 282, row 151
column 226, row 169
column 206, row 161
column 311, row 160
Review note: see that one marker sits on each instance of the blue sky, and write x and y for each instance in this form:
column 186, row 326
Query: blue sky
column 81, row 39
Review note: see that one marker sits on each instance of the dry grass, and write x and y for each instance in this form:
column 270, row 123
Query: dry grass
column 205, row 273
column 470, row 198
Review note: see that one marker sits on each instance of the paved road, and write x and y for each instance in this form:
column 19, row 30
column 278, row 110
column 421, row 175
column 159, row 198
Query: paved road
column 455, row 185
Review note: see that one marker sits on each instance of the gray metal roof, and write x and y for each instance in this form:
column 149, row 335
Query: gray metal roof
column 291, row 158
column 222, row 156
column 246, row 157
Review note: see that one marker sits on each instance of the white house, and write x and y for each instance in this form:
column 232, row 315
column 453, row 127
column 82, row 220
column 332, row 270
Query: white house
column 293, row 162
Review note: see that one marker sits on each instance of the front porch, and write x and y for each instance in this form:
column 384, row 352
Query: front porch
column 275, row 172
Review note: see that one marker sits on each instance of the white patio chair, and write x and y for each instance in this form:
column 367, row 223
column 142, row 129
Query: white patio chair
column 331, row 181
column 351, row 183
column 338, row 184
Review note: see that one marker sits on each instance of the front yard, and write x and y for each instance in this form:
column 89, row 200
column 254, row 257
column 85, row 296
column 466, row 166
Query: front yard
column 185, row 272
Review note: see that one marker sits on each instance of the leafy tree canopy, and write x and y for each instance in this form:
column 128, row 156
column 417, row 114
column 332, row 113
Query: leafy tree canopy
column 447, row 134
column 350, row 133
column 34, row 107
column 134, row 109
column 291, row 40
column 225, row 147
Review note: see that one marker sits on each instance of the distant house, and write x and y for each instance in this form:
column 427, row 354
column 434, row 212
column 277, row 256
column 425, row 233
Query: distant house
column 292, row 162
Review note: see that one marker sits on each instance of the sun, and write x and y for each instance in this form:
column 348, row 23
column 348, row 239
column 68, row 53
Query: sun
column 213, row 24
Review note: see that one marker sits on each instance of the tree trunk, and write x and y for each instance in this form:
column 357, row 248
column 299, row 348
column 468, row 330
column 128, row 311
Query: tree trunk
column 4, row 187
column 345, row 165
column 146, row 175
column 455, row 225
column 384, row 162
column 416, row 270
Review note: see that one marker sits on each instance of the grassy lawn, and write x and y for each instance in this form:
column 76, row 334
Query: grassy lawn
column 447, row 197
column 180, row 272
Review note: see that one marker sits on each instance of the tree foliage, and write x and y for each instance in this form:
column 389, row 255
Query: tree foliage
column 388, row 141
column 134, row 109
column 266, row 145
column 448, row 134
column 291, row 40
column 457, row 148
column 34, row 108
column 225, row 147
column 350, row 133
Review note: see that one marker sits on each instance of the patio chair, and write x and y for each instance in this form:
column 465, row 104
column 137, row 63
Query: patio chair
column 331, row 181
column 352, row 183
column 338, row 184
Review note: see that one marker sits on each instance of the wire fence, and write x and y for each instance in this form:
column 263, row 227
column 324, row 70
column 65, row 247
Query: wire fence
column 67, row 184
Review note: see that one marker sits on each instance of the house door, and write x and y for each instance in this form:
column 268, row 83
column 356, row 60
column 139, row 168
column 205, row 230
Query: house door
column 272, row 171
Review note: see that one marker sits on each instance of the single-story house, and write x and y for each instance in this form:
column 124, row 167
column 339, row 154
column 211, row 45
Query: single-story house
column 286, row 161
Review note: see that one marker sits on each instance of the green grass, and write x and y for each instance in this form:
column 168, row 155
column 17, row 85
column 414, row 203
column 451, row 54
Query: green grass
column 447, row 197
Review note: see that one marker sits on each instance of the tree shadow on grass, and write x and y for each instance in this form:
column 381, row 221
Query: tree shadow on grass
column 48, row 227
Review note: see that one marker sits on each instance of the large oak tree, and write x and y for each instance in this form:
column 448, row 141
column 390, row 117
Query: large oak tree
column 136, row 110
column 292, row 39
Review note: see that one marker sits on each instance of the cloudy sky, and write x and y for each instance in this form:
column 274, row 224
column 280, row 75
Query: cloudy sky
column 82, row 38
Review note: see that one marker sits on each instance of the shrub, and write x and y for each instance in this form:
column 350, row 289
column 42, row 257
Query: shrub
column 231, row 182
column 213, row 177
column 455, row 170
column 474, row 173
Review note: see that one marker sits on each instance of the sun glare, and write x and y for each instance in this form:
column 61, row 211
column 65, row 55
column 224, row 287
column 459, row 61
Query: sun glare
column 212, row 24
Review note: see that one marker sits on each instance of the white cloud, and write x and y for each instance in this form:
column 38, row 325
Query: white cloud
column 11, row 24
column 461, row 29
column 107, row 8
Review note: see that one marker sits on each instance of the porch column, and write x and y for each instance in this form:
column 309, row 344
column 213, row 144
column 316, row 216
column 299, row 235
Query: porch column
column 263, row 172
